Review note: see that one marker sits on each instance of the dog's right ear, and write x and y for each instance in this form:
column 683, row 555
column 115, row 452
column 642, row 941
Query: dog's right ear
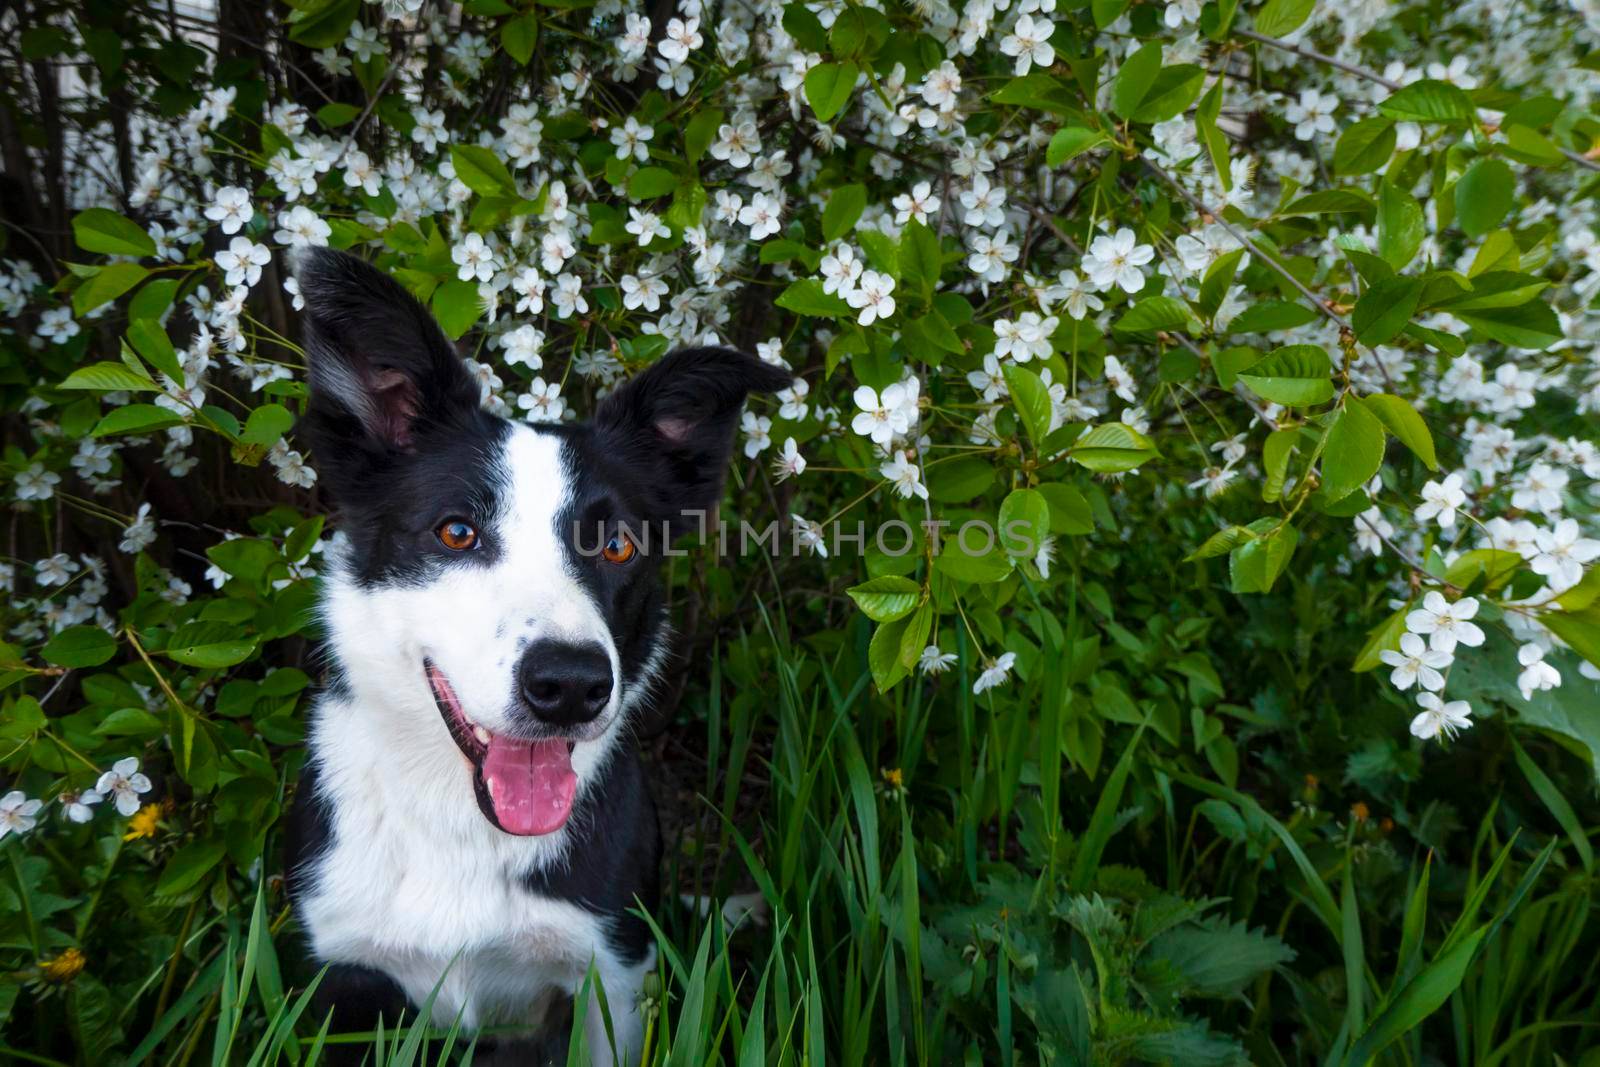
column 381, row 373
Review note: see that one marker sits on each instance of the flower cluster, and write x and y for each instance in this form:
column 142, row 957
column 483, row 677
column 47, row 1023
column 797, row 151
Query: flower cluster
column 1004, row 279
column 123, row 784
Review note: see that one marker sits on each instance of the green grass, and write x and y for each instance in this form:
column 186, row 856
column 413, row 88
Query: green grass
column 1155, row 915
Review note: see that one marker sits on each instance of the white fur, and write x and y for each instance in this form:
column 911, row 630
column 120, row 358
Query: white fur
column 416, row 876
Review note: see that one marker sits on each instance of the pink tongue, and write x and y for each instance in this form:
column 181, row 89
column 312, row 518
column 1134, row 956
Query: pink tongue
column 530, row 783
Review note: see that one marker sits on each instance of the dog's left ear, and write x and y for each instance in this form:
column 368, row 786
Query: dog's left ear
column 376, row 355
column 676, row 422
column 381, row 371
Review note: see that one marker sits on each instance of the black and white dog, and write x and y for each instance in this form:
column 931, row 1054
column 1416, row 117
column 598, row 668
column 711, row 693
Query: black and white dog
column 471, row 799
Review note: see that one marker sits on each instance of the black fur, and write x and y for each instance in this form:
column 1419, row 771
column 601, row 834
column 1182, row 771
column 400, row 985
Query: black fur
column 402, row 443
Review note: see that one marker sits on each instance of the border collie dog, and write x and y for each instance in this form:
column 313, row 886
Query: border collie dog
column 472, row 807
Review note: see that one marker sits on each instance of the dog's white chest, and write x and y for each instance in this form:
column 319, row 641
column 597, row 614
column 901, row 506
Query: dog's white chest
column 418, row 907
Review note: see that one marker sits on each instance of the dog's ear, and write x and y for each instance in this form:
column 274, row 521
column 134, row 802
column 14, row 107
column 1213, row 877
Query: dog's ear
column 381, row 371
column 676, row 422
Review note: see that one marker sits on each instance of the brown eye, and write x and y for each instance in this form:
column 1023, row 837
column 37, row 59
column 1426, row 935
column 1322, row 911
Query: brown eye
column 619, row 549
column 457, row 536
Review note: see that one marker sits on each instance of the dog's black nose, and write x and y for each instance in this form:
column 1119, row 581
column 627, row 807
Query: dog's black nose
column 565, row 684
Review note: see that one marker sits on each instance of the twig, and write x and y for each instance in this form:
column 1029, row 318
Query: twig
column 1301, row 50
column 1044, row 216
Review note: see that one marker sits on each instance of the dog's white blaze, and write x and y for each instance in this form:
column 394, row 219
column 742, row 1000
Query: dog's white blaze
column 415, row 876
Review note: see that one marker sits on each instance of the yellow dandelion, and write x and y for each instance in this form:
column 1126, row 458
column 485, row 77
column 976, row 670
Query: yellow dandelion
column 143, row 822
column 63, row 968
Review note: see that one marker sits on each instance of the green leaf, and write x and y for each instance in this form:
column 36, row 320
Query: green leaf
column 1279, row 17
column 1417, row 1000
column 1275, row 455
column 1221, row 543
column 1155, row 313
column 1111, row 448
column 482, row 171
column 701, row 131
column 920, row 258
column 1229, row 363
column 1103, row 822
column 1579, row 629
column 519, row 35
column 806, row 297
column 1069, row 142
column 1135, row 79
column 1032, row 401
column 915, row 636
column 323, row 25
column 1218, row 959
column 1041, row 91
column 1295, row 376
column 211, row 654
column 1532, row 148
column 79, row 646
column 1495, row 289
column 337, row 114
column 1384, row 637
column 882, row 252
column 456, row 305
column 804, row 26
column 887, row 598
column 1400, row 226
column 1331, row 202
column 780, row 250
column 1484, row 196
column 647, row 183
column 150, row 340
column 983, row 564
column 136, row 418
column 247, row 558
column 1107, row 11
column 1205, row 122
column 1024, row 522
column 1402, row 420
column 1557, row 804
column 1255, row 565
column 188, row 865
column 1270, row 315
column 1429, row 101
column 1364, row 146
column 153, row 300
column 106, row 377
column 845, row 205
column 1384, row 309
column 959, row 480
column 1173, row 90
column 1353, row 453
column 101, row 230
column 883, row 655
column 266, row 425
column 936, row 331
column 1069, row 511
column 1534, row 325
column 105, row 285
column 828, row 88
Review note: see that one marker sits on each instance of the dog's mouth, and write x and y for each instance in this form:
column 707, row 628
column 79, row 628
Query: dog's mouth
column 523, row 787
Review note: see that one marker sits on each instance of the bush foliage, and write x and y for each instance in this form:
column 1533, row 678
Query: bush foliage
column 1266, row 731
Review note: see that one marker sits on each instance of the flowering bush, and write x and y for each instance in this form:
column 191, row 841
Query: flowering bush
column 1191, row 403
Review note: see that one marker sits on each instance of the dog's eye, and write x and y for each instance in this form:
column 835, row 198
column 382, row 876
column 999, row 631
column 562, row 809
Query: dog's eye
column 457, row 536
column 619, row 549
